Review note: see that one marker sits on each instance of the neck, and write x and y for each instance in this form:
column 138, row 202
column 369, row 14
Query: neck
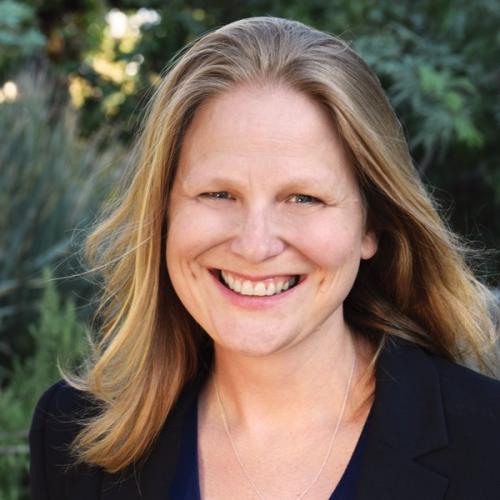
column 300, row 385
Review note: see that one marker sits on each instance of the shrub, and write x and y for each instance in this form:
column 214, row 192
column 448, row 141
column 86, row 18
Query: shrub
column 52, row 182
column 58, row 337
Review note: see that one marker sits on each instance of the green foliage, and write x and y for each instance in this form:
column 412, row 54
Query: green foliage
column 57, row 30
column 52, row 182
column 428, row 82
column 57, row 337
column 20, row 36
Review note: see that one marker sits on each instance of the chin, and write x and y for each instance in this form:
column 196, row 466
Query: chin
column 254, row 343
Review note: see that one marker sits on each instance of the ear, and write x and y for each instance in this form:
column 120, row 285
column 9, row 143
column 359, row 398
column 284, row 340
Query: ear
column 369, row 245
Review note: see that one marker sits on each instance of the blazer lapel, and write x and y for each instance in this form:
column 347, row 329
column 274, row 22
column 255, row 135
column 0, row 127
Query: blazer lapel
column 406, row 422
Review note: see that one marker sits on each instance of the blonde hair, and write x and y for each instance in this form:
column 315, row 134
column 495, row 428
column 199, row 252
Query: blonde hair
column 417, row 286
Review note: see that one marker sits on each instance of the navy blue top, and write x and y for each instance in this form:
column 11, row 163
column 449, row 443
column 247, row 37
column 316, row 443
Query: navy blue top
column 186, row 484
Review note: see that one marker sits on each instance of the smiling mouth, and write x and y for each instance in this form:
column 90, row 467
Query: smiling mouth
column 264, row 288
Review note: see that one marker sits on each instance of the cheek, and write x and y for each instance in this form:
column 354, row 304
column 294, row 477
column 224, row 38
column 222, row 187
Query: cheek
column 330, row 241
column 193, row 229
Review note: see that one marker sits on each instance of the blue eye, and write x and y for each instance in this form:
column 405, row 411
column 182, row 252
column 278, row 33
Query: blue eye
column 303, row 199
column 217, row 195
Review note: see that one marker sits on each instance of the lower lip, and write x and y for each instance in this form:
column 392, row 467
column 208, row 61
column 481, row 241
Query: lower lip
column 254, row 301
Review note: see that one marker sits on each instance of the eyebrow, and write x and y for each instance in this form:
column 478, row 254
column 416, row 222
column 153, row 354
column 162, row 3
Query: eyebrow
column 292, row 184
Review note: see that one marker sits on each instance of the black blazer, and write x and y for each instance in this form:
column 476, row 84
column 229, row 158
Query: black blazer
column 434, row 434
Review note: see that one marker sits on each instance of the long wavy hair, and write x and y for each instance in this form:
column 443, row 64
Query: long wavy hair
column 417, row 286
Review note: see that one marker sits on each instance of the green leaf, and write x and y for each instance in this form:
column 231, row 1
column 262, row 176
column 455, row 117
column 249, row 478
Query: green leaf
column 467, row 132
column 453, row 101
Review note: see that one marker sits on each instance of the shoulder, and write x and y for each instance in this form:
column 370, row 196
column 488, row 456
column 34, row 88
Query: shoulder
column 60, row 412
column 469, row 401
column 442, row 415
column 471, row 416
column 467, row 392
column 419, row 383
column 462, row 389
column 64, row 399
column 56, row 422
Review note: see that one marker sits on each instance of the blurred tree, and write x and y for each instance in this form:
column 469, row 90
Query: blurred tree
column 58, row 338
column 53, row 182
column 20, row 36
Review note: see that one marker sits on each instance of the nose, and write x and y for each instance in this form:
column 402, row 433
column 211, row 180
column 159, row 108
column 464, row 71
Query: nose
column 257, row 239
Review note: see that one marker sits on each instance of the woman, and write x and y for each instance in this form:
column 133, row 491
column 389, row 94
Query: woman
column 283, row 306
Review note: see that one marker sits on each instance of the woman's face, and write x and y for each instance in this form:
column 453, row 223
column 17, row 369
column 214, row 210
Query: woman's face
column 266, row 222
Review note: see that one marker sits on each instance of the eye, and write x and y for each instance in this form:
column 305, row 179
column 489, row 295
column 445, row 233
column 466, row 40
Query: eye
column 303, row 199
column 217, row 195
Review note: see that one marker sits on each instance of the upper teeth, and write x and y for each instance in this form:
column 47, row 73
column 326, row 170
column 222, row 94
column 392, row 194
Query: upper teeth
column 247, row 287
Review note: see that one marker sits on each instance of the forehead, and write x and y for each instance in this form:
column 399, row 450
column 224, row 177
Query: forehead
column 251, row 107
column 251, row 129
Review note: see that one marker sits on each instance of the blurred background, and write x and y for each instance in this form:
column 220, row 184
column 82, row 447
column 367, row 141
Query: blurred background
column 74, row 78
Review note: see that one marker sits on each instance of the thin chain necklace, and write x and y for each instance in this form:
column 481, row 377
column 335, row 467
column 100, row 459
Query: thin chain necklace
column 330, row 446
